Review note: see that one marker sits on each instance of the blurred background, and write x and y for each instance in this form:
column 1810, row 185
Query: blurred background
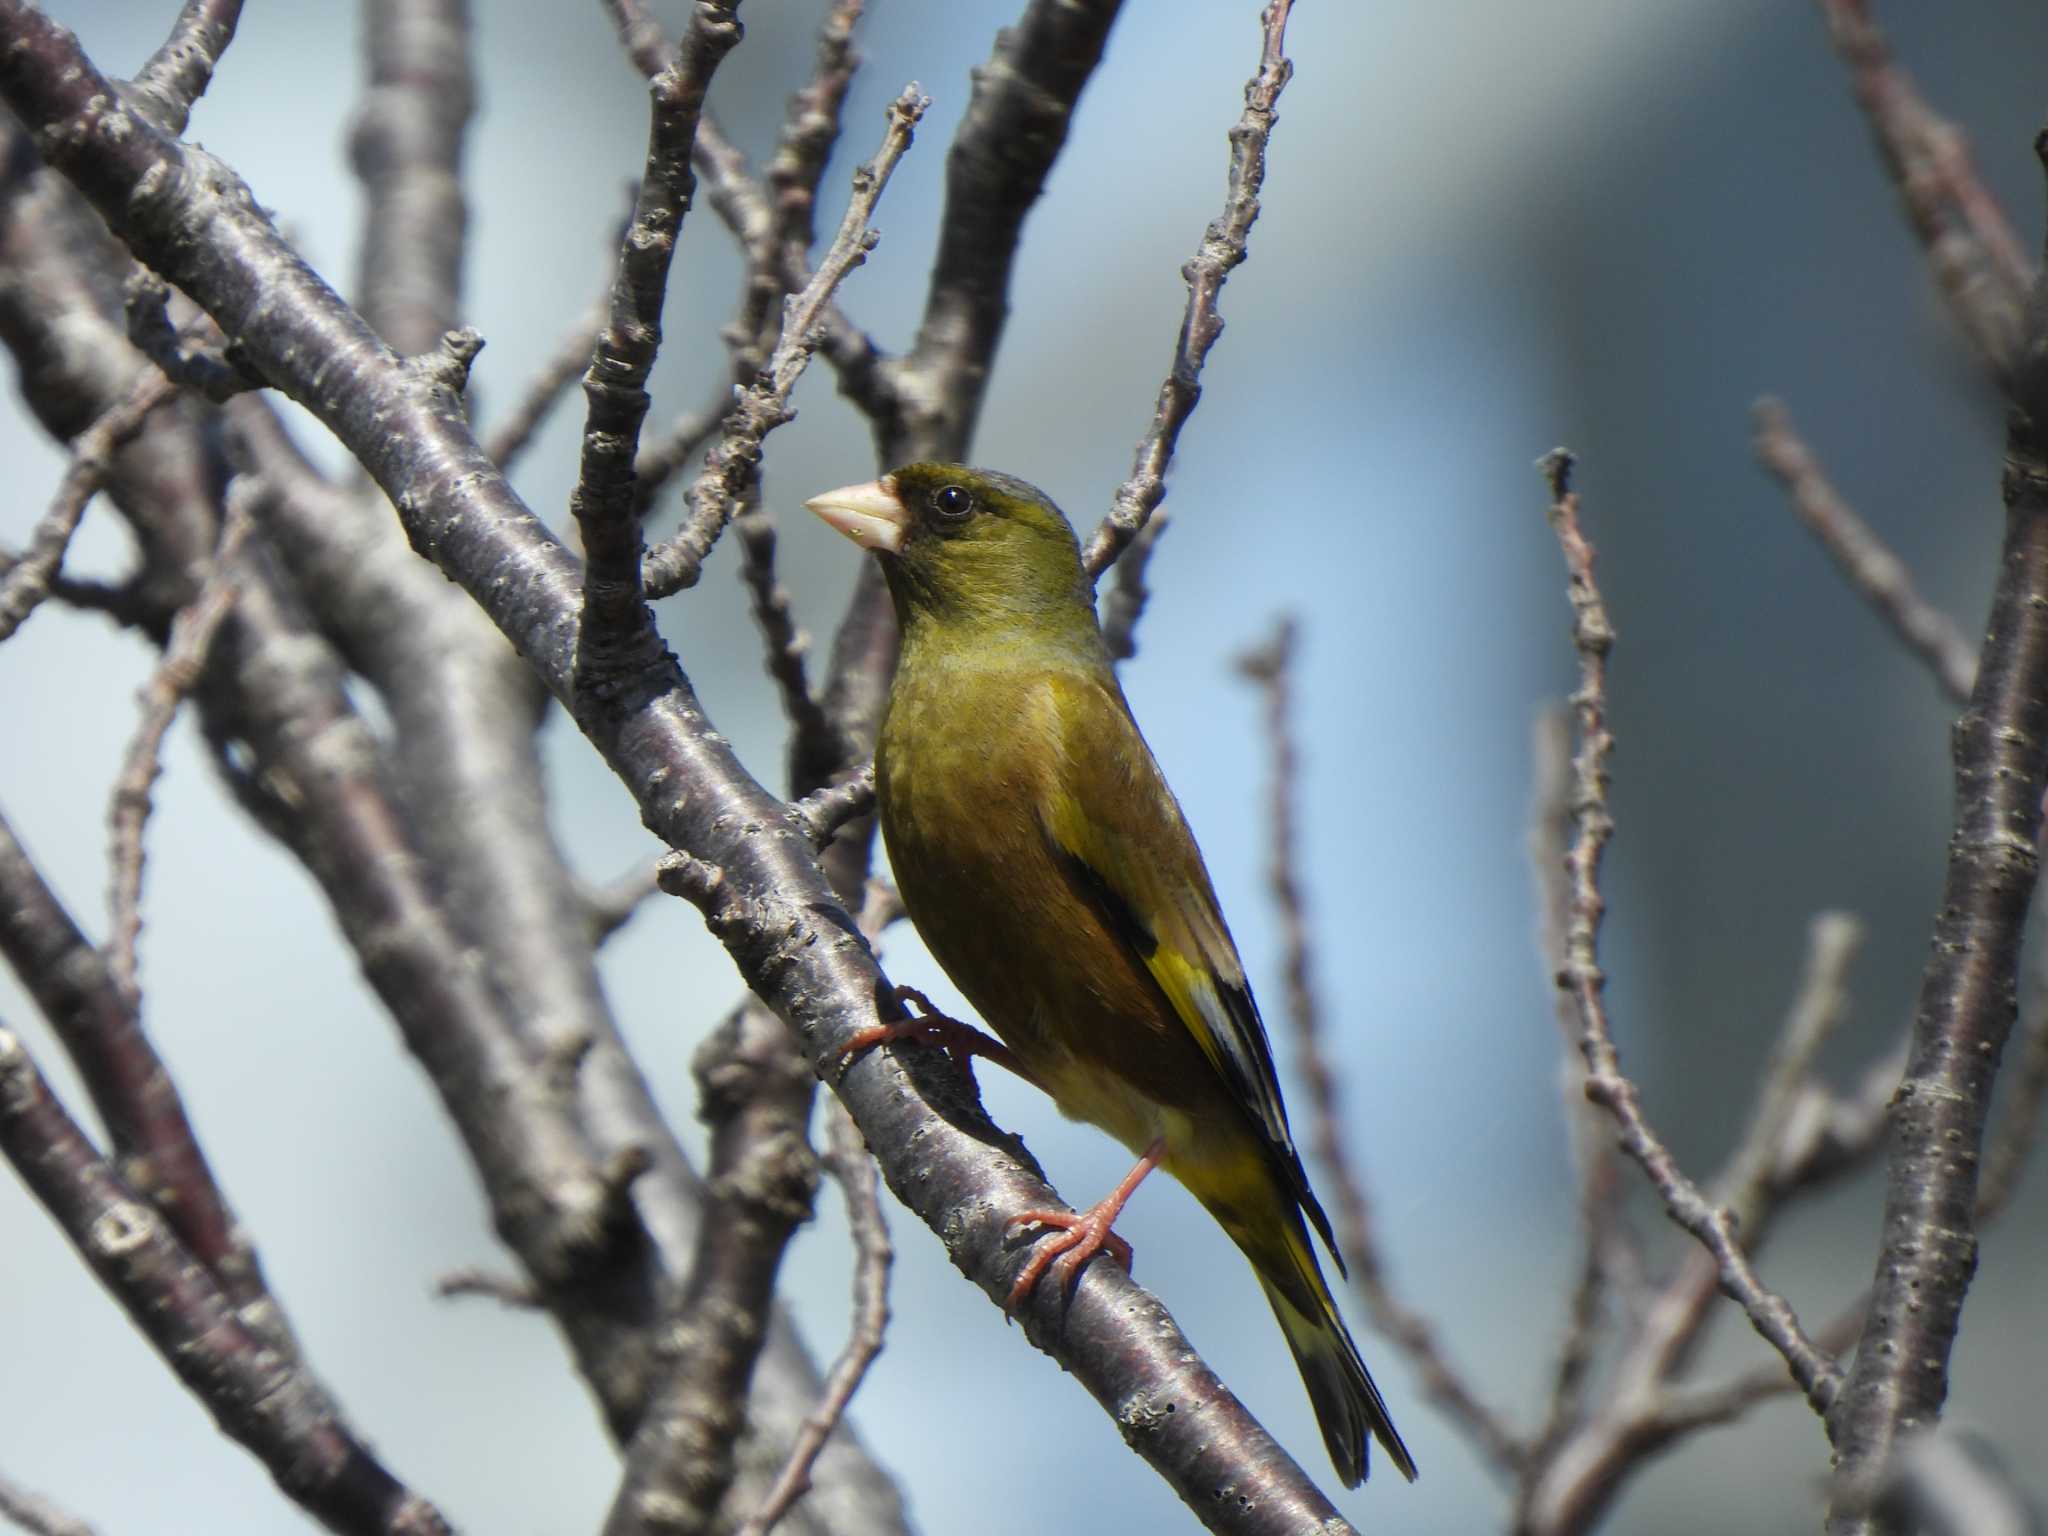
column 1488, row 228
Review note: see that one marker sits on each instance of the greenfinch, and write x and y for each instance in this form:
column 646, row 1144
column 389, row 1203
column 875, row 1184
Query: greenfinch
column 1050, row 872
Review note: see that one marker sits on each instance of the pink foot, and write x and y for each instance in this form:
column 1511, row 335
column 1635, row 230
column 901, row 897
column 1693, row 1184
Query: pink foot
column 963, row 1042
column 1077, row 1237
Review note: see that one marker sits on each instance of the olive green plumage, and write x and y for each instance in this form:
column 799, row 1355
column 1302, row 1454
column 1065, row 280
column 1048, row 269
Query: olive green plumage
column 1049, row 870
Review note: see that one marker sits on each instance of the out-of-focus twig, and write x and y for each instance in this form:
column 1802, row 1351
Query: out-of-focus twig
column 26, row 579
column 1977, row 262
column 266, row 1402
column 515, row 431
column 175, row 676
column 36, row 1514
column 846, row 1159
column 755, row 1095
column 1224, row 246
column 1870, row 567
column 1270, row 667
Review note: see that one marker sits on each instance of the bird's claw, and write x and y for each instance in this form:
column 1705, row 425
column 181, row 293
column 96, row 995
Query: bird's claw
column 1072, row 1239
column 963, row 1042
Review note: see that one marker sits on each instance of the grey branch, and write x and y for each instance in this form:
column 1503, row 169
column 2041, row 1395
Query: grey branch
column 264, row 1401
column 37, row 1515
column 1976, row 261
column 1223, row 248
column 756, row 1098
column 178, row 73
column 733, row 464
column 1928, row 1252
column 846, row 1159
column 617, row 631
column 779, row 918
column 1871, row 568
column 27, row 579
column 1582, row 977
column 176, row 675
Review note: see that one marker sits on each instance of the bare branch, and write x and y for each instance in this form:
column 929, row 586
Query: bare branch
column 406, row 147
column 745, row 209
column 1582, row 977
column 514, row 434
column 178, row 73
column 847, row 1160
column 1968, row 993
column 1223, row 249
column 176, row 675
column 825, row 811
column 764, row 405
column 263, row 1401
column 1870, row 567
column 27, row 579
column 37, row 1515
column 640, row 34
column 1015, row 125
column 756, row 1098
column 778, row 918
column 1976, row 261
column 503, row 1289
column 1269, row 666
column 617, row 631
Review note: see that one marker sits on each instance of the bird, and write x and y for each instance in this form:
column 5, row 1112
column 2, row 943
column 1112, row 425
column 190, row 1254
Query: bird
column 1051, row 874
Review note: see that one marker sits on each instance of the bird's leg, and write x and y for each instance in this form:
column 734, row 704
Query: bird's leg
column 963, row 1042
column 1078, row 1236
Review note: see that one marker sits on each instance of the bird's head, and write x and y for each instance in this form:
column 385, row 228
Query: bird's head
column 964, row 546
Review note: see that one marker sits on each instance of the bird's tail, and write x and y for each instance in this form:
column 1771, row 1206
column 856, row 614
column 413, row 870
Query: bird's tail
column 1347, row 1404
column 1261, row 1211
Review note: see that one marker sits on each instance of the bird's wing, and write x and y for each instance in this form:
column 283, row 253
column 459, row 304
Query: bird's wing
column 1119, row 835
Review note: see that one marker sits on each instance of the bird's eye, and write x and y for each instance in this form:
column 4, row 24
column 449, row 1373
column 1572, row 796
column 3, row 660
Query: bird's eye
column 953, row 502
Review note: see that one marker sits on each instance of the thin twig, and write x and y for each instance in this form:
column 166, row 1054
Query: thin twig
column 515, row 432
column 1270, row 667
column 26, row 580
column 507, row 1290
column 825, row 811
column 1581, row 975
column 175, row 676
column 764, row 405
column 178, row 73
column 640, row 34
column 745, row 209
column 1869, row 566
column 1223, row 248
column 616, row 632
column 846, row 1159
column 787, row 644
column 36, row 1514
column 774, row 259
column 1976, row 261
column 1611, row 1252
column 609, row 907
